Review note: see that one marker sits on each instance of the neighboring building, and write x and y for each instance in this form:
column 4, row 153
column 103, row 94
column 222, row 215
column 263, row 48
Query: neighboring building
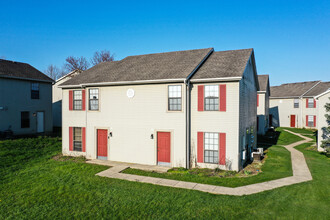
column 322, row 122
column 178, row 109
column 25, row 99
column 294, row 104
column 263, row 104
column 57, row 97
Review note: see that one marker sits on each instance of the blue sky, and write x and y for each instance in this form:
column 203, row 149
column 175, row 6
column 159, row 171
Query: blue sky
column 291, row 39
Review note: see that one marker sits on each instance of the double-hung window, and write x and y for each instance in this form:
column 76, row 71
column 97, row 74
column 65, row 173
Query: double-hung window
column 77, row 100
column 174, row 98
column 94, row 99
column 310, row 103
column 296, row 103
column 310, row 121
column 34, row 90
column 211, row 149
column 25, row 119
column 211, row 98
column 77, row 139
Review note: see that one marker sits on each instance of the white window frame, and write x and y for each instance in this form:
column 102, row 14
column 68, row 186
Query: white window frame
column 211, row 147
column 211, row 94
column 77, row 144
column 95, row 98
column 310, row 103
column 74, row 99
column 296, row 103
column 174, row 93
column 310, row 120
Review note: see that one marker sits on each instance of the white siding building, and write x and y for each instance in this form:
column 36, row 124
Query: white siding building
column 263, row 104
column 178, row 109
column 25, row 99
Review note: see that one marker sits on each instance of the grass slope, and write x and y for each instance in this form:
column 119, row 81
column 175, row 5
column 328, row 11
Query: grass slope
column 277, row 165
column 33, row 186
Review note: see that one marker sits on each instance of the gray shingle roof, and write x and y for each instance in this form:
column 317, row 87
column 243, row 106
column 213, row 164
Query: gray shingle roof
column 21, row 70
column 230, row 63
column 263, row 82
column 291, row 89
column 319, row 89
column 170, row 65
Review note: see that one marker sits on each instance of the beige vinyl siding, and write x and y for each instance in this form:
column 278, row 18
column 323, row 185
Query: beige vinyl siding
column 321, row 122
column 131, row 121
column 283, row 108
column 219, row 122
column 263, row 112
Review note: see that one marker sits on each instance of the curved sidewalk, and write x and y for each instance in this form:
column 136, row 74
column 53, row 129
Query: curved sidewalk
column 300, row 171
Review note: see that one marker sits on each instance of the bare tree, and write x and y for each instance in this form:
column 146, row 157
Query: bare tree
column 103, row 56
column 73, row 63
column 54, row 72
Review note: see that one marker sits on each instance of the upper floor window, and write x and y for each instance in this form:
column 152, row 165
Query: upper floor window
column 310, row 103
column 77, row 100
column 25, row 119
column 93, row 99
column 174, row 98
column 34, row 90
column 77, row 139
column 296, row 103
column 211, row 98
column 211, row 150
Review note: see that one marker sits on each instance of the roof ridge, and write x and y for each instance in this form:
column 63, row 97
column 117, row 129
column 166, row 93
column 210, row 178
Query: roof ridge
column 209, row 48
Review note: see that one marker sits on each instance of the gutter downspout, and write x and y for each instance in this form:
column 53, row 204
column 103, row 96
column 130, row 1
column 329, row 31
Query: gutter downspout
column 188, row 109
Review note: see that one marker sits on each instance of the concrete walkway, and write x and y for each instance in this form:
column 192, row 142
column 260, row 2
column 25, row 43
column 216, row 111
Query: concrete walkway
column 300, row 170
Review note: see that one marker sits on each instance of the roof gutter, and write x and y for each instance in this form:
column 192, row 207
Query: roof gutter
column 29, row 79
column 124, row 83
column 188, row 108
column 222, row 79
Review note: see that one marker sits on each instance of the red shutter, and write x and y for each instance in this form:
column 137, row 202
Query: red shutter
column 314, row 103
column 222, row 148
column 83, row 139
column 258, row 100
column 200, row 98
column 306, row 103
column 70, row 100
column 71, row 138
column 307, row 120
column 83, row 99
column 200, row 147
column 223, row 99
column 314, row 120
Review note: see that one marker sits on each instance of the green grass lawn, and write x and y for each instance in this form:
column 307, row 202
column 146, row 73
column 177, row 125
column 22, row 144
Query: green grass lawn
column 277, row 165
column 286, row 138
column 34, row 186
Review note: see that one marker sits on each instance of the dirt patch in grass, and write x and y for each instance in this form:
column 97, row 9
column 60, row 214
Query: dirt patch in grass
column 62, row 158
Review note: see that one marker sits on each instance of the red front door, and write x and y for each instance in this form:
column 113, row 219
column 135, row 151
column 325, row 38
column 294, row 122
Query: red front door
column 102, row 143
column 164, row 147
column 292, row 121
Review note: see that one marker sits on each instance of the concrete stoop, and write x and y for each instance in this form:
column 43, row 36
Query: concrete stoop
column 300, row 171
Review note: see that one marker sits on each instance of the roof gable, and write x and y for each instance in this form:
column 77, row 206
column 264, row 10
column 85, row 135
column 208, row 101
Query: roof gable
column 18, row 70
column 221, row 64
column 263, row 82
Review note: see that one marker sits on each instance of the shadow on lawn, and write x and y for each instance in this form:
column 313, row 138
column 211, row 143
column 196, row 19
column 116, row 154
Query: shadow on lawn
column 268, row 140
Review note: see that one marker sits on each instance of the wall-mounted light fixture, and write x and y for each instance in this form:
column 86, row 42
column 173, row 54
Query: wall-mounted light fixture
column 110, row 134
column 152, row 136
